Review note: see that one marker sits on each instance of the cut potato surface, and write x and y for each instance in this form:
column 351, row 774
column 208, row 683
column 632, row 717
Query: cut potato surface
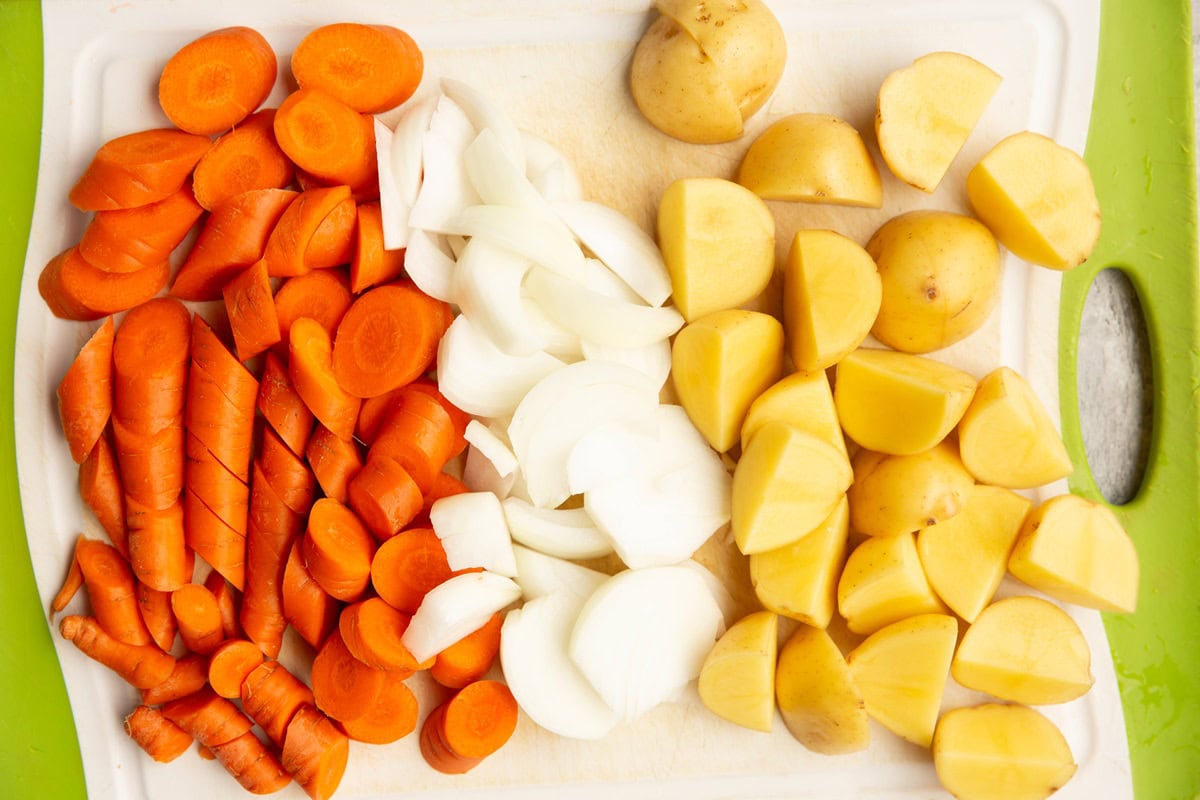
column 802, row 399
column 799, row 580
column 892, row 495
column 737, row 681
column 883, row 583
column 818, row 698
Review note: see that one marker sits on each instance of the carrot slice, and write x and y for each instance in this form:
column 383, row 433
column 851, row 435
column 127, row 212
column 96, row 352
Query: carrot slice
column 371, row 68
column 371, row 630
column 226, row 602
column 214, row 82
column 315, row 753
column 189, row 676
column 155, row 607
column 142, row 666
column 459, row 418
column 219, row 414
column 343, row 686
column 384, row 495
column 366, row 192
column 337, row 550
column 150, row 359
column 100, row 487
column 436, row 752
column 244, row 159
column 158, row 552
column 325, row 137
column 151, row 467
column 199, row 618
column 311, row 369
column 224, row 493
column 75, row 289
column 407, row 566
column 254, row 766
column 210, row 719
column 289, row 241
column 85, row 393
column 332, row 243
column 371, row 415
column 272, row 529
column 127, row 240
column 391, row 717
column 419, row 434
column 111, row 590
column 444, row 485
column 138, row 169
column 271, row 696
column 230, row 664
column 468, row 659
column 287, row 473
column 163, row 740
column 306, row 606
column 251, row 310
column 480, row 719
column 282, row 407
column 322, row 295
column 372, row 264
column 219, row 544
column 334, row 462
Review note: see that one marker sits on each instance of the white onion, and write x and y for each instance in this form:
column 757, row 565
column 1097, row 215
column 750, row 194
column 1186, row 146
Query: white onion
column 720, row 594
column 492, row 446
column 484, row 113
column 653, row 360
column 430, row 265
column 399, row 155
column 445, row 188
column 549, row 171
column 597, row 317
column 539, row 574
column 622, row 245
column 480, row 474
column 560, row 532
column 560, row 342
column 473, row 532
column 455, row 608
column 393, row 212
column 613, row 452
column 496, row 179
column 600, row 278
column 536, row 236
column 487, row 287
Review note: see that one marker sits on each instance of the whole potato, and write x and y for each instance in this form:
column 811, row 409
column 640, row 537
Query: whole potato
column 941, row 279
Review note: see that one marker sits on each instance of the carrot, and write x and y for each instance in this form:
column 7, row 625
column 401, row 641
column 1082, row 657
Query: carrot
column 326, row 138
column 254, row 766
column 233, row 237
column 75, row 289
column 271, row 696
column 306, row 606
column 210, row 719
column 138, row 169
column 343, row 686
column 129, row 239
column 244, row 159
column 468, row 659
column 151, row 467
column 221, row 400
column 163, row 740
column 211, row 482
column 283, row 409
column 142, row 666
column 407, row 566
column 391, row 717
column 272, row 529
column 371, row 68
column 419, row 434
column 334, row 462
column 469, row 727
column 311, row 369
column 372, row 264
column 199, row 618
column 458, row 418
column 388, row 337
column 444, row 485
column 155, row 607
column 189, row 675
column 223, row 547
column 214, row 82
column 230, row 664
column 158, row 551
column 315, row 753
column 373, row 412
column 289, row 241
column 384, row 496
column 332, row 243
column 85, row 393
column 251, row 310
column 371, row 631
column 150, row 359
column 286, row 473
column 226, row 602
column 337, row 550
column 111, row 590
column 366, row 192
column 100, row 487
column 69, row 588
column 322, row 295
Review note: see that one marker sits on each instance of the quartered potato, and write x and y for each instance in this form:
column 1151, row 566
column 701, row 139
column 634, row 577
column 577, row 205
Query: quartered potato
column 883, row 583
column 799, row 580
column 818, row 698
column 737, row 681
column 902, row 494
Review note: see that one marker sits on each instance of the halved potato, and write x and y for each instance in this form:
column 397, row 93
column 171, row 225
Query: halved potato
column 803, row 399
column 737, row 681
column 902, row 494
column 820, row 703
column 799, row 580
column 883, row 583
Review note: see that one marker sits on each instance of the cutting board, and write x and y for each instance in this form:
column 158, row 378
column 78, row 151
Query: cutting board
column 561, row 70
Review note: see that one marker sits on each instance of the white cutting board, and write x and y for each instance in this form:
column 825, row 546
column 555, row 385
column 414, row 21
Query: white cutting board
column 561, row 68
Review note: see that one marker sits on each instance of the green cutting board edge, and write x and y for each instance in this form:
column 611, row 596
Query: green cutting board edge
column 1140, row 148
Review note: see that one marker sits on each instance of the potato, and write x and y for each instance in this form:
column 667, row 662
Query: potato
column 817, row 696
column 1026, row 650
column 718, row 242
column 926, row 111
column 1038, row 198
column 812, row 158
column 737, row 681
column 901, row 670
column 883, row 583
column 719, row 364
column 831, row 295
column 1075, row 550
column 899, row 403
column 702, row 69
column 966, row 556
column 1006, row 438
column 940, row 276
column 803, row 399
column 799, row 580
column 786, row 482
column 1000, row 752
column 902, row 494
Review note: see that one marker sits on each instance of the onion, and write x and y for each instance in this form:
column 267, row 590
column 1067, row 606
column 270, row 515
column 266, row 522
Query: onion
column 497, row 179
column 643, row 635
column 484, row 114
column 398, row 155
column 491, row 446
column 487, row 287
column 429, row 263
column 473, row 532
column 480, row 475
column 600, row 278
column 539, row 574
column 549, row 171
column 652, row 360
column 392, row 210
column 455, row 608
column 622, row 245
column 445, row 189
column 611, row 453
column 560, row 342
column 536, row 236
column 720, row 594
column 561, row 532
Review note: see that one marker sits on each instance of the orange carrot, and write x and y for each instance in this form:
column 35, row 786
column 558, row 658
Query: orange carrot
column 190, row 675
column 419, row 434
column 158, row 551
column 226, row 602
column 343, row 686
column 322, row 295
column 163, row 740
column 390, row 718
column 281, row 406
column 384, row 496
column 221, row 400
column 469, row 727
column 366, row 192
column 212, row 483
column 234, row 237
column 372, row 264
column 100, row 487
column 230, row 664
column 111, row 590
column 310, row 367
column 334, row 462
column 199, row 618
column 286, row 473
column 130, row 239
column 214, row 82
column 151, row 467
column 212, row 537
column 436, row 752
column 138, row 169
column 254, row 766
column 150, row 359
column 142, row 666
column 251, row 310
column 387, row 338
column 155, row 607
column 326, row 138
column 306, row 606
column 459, row 418
column 371, row 415
column 332, row 243
column 444, row 485
column 337, row 550
column 244, row 159
column 315, row 753
column 468, row 659
column 272, row 529
column 85, row 393
column 210, row 719
column 69, row 588
column 371, row 630
column 286, row 248
column 371, row 68
column 271, row 696
column 407, row 566
column 75, row 289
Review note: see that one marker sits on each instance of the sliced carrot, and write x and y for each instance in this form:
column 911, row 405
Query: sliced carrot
column 199, row 618
column 210, row 719
column 205, row 753
column 287, row 474
column 459, row 418
column 468, row 659
column 315, row 753
column 242, row 160
column 444, row 485
column 151, row 467
column 155, row 607
column 227, row 602
column 419, row 434
column 384, row 495
column 306, row 606
column 289, row 241
column 85, row 393
column 407, row 566
column 158, row 553
column 75, row 289
column 253, row 765
column 371, row 415
column 272, row 529
column 142, row 666
column 130, row 239
column 343, row 686
column 271, row 696
column 388, row 337
column 223, row 492
column 70, row 587
column 138, row 169
column 230, row 664
column 239, row 386
column 189, row 676
column 150, row 361
column 391, row 717
column 282, row 407
column 371, row 630
column 325, row 137
column 337, row 550
column 372, row 264
column 371, row 68
column 334, row 462
column 310, row 367
column 436, row 752
column 251, row 309
column 100, row 487
column 216, row 81
column 233, row 237
column 111, row 590
column 214, row 540
column 480, row 719
column 163, row 740
column 322, row 295
column 332, row 243
column 365, row 192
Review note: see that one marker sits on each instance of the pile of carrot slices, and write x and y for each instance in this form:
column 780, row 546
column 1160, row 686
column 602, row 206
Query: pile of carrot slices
column 289, row 446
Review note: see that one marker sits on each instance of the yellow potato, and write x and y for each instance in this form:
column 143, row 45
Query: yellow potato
column 785, row 484
column 719, row 364
column 902, row 494
column 1025, row 650
column 817, row 696
column 1006, row 438
column 803, row 399
column 799, row 580
column 831, row 295
column 940, row 275
column 718, row 242
column 1000, row 752
column 1076, row 551
column 899, row 403
column 812, row 158
column 966, row 556
column 1038, row 198
column 883, row 583
column 737, row 681
column 926, row 111
column 901, row 670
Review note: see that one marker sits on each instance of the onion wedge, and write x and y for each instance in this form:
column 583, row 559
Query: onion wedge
column 483, row 114
column 445, row 189
column 473, row 532
column 487, row 286
column 549, row 171
column 429, row 263
column 455, row 608
column 623, row 246
column 535, row 236
column 539, row 574
column 477, row 377
column 597, row 317
column 560, row 532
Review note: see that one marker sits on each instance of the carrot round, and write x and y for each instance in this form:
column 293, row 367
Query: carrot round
column 158, row 552
column 287, row 474
column 85, row 393
column 271, row 696
column 371, row 415
column 306, row 606
column 390, row 718
column 111, row 590
column 252, row 764
column 289, row 240
column 223, row 547
column 325, row 137
column 332, row 243
column 315, row 753
column 311, row 369
column 458, row 418
column 334, row 462
column 371, row 630
column 343, row 686
column 407, row 566
column 366, row 192
column 480, row 719
column 210, row 719
column 199, row 618
column 223, row 593
column 100, row 487
column 75, row 289
column 468, row 659
column 283, row 409
column 322, row 295
column 230, row 664
column 436, row 752
column 384, row 495
column 161, row 739
column 388, row 337
column 138, row 169
column 150, row 360
column 337, row 550
column 213, row 484
column 244, row 159
column 155, row 607
column 371, row 68
column 189, row 675
column 419, row 434
column 251, row 310
column 371, row 263
column 142, row 666
column 271, row 531
column 126, row 240
column 214, row 82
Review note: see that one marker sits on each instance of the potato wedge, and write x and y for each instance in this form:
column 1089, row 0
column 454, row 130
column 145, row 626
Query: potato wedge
column 820, row 703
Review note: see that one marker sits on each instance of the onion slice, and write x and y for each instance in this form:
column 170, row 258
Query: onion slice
column 399, row 156
column 473, row 532
column 560, row 532
column 456, row 608
column 539, row 574
column 427, row 260
column 445, row 189
column 622, row 245
column 652, row 360
column 535, row 236
column 549, row 171
column 487, row 286
column 494, row 448
column 484, row 113
column 496, row 178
